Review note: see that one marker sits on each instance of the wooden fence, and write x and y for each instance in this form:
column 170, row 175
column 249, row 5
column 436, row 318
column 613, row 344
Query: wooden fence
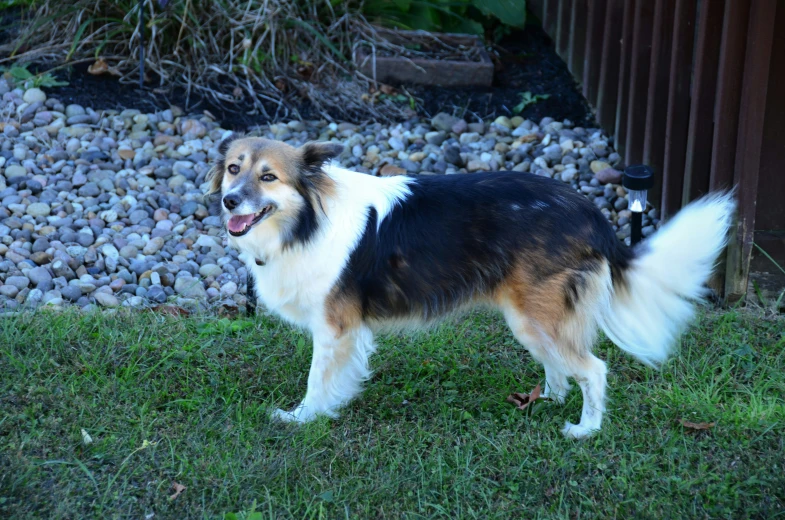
column 695, row 89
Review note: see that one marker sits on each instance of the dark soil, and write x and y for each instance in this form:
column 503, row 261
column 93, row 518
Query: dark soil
column 525, row 61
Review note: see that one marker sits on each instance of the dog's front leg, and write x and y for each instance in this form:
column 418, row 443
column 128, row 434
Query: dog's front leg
column 338, row 368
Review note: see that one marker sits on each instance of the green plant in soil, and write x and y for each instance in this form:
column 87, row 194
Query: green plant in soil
column 528, row 99
column 21, row 75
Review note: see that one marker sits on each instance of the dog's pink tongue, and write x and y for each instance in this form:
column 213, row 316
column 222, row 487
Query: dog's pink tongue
column 239, row 222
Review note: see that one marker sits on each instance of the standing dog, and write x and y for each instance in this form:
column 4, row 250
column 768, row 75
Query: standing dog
column 344, row 254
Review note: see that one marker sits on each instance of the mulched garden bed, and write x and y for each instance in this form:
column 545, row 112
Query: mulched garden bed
column 525, row 62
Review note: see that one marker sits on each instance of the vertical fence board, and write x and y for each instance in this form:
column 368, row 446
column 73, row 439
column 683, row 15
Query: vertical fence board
column 577, row 42
column 729, row 84
column 678, row 107
column 703, row 93
column 657, row 102
column 639, row 80
column 760, row 37
column 551, row 18
column 563, row 29
column 620, row 128
column 610, row 62
column 769, row 214
column 593, row 40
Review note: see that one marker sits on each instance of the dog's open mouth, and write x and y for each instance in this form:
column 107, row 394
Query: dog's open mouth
column 241, row 224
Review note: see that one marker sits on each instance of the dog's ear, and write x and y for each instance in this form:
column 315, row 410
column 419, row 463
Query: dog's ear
column 315, row 154
column 216, row 174
column 224, row 146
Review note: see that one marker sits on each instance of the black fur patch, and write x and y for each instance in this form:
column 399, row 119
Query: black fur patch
column 307, row 223
column 458, row 236
column 315, row 154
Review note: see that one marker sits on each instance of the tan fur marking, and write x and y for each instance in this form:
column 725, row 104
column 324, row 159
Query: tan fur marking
column 343, row 311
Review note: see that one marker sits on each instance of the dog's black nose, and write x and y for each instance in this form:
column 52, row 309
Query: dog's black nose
column 231, row 201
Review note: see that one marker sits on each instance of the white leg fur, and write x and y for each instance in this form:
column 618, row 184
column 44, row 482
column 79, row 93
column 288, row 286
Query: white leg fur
column 591, row 376
column 339, row 366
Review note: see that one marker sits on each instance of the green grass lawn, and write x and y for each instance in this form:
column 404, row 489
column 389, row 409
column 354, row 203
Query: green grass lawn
column 186, row 400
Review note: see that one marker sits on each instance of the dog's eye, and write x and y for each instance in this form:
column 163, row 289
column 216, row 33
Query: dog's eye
column 268, row 177
column 234, row 169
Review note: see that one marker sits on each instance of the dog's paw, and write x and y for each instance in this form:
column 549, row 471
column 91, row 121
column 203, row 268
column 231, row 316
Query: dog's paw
column 576, row 431
column 284, row 416
column 555, row 398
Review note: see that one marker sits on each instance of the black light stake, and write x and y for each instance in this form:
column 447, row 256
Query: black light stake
column 637, row 180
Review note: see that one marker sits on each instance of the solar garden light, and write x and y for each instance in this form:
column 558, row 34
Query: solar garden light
column 637, row 180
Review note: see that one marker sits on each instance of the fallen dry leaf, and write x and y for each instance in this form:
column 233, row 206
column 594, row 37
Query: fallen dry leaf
column 522, row 401
column 696, row 426
column 387, row 89
column 101, row 67
column 530, row 138
column 178, row 488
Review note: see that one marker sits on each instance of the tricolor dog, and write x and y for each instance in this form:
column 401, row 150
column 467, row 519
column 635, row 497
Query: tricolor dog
column 345, row 254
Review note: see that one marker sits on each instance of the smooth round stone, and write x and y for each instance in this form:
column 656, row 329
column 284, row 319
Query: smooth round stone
column 156, row 294
column 137, row 216
column 71, row 293
column 38, row 209
column 39, row 275
column 189, row 208
column 34, row 297
column 129, row 252
column 228, row 289
column 9, row 291
column 106, row 300
column 153, row 246
column 20, row 282
column 41, row 257
column 15, row 170
column 208, row 270
column 34, row 95
column 74, row 110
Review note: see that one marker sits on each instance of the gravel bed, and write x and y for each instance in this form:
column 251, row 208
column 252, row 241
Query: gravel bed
column 106, row 208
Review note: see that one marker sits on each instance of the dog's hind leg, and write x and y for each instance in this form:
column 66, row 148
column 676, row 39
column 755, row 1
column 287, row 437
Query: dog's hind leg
column 541, row 348
column 339, row 367
column 560, row 331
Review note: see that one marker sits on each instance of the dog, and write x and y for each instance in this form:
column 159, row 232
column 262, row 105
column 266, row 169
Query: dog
column 345, row 254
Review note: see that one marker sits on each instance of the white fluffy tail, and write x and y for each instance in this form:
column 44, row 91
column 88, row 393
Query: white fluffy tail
column 654, row 302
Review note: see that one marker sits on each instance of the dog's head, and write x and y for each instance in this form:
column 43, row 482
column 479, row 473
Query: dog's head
column 262, row 183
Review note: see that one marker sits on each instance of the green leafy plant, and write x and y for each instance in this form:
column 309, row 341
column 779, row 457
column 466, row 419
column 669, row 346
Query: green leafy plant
column 508, row 12
column 224, row 327
column 528, row 99
column 20, row 74
column 251, row 514
column 458, row 16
